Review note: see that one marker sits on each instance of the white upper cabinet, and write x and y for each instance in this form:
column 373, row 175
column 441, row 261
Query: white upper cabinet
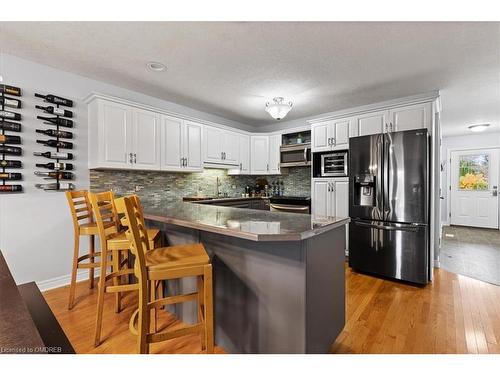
column 244, row 156
column 221, row 146
column 333, row 134
column 274, row 153
column 146, row 140
column 411, row 117
column 259, row 153
column 191, row 146
column 114, row 123
column 371, row 123
column 181, row 145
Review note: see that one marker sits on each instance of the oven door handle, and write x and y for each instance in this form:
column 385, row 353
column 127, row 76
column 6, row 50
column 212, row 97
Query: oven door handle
column 288, row 207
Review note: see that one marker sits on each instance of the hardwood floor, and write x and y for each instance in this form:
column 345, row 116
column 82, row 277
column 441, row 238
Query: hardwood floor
column 454, row 314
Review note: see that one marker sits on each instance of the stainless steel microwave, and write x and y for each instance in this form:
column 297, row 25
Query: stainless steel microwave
column 334, row 164
column 297, row 155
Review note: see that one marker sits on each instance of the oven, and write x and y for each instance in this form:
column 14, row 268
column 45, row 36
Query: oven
column 298, row 205
column 334, row 164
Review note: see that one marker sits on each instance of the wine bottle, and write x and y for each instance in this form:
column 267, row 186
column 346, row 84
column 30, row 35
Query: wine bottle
column 11, row 139
column 10, row 188
column 56, row 133
column 59, row 175
column 55, row 143
column 10, row 164
column 55, row 155
column 10, row 176
column 56, row 100
column 57, row 121
column 10, row 115
column 10, row 102
column 57, row 166
column 56, row 186
column 10, row 126
column 10, row 90
column 55, row 111
column 10, row 150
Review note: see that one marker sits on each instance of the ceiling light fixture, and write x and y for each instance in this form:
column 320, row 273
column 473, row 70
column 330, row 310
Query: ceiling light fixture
column 478, row 127
column 278, row 109
column 156, row 66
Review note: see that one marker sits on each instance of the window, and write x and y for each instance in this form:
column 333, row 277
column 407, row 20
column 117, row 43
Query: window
column 473, row 172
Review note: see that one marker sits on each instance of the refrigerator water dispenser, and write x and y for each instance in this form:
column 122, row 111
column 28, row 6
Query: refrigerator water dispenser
column 364, row 190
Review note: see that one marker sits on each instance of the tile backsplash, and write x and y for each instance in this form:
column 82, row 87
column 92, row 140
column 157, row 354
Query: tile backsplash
column 171, row 186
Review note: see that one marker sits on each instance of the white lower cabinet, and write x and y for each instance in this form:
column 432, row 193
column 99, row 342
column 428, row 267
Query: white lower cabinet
column 181, row 145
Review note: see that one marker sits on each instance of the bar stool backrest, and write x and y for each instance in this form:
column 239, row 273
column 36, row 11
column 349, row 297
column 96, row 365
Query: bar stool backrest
column 80, row 208
column 104, row 211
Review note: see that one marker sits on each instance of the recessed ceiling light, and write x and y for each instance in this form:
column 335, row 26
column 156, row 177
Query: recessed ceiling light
column 478, row 127
column 156, row 66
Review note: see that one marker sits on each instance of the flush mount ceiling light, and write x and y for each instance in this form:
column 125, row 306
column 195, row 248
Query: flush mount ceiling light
column 478, row 127
column 278, row 109
column 156, row 66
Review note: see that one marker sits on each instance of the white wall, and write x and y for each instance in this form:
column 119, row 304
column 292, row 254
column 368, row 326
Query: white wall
column 36, row 234
column 470, row 141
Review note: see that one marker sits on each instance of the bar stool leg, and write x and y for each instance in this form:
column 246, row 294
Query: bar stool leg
column 74, row 269
column 92, row 259
column 143, row 322
column 209, row 313
column 115, row 262
column 201, row 297
column 153, row 312
column 101, row 286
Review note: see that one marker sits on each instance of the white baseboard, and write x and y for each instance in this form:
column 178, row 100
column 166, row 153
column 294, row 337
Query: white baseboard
column 60, row 281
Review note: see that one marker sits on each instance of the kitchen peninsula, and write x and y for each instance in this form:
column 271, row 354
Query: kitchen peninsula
column 278, row 277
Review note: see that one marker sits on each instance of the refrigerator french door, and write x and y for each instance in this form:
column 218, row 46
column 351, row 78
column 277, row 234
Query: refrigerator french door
column 389, row 204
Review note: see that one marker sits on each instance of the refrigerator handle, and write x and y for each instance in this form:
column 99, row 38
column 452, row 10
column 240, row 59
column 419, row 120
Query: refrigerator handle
column 379, row 179
column 386, row 173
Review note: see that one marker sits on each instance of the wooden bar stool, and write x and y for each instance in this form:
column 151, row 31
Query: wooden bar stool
column 83, row 225
column 166, row 263
column 115, row 246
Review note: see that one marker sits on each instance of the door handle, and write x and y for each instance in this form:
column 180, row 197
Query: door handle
column 495, row 191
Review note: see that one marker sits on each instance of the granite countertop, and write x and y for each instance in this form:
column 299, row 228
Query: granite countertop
column 255, row 225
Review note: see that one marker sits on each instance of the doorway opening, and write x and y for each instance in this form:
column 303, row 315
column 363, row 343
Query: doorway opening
column 471, row 241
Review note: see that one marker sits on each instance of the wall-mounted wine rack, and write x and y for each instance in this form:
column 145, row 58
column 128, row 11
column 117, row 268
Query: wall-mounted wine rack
column 61, row 167
column 6, row 139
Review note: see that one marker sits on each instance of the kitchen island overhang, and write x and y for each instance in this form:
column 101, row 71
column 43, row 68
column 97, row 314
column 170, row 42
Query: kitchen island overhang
column 279, row 284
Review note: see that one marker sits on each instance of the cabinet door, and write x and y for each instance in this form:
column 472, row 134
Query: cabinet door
column 259, row 154
column 244, row 141
column 320, row 134
column 114, row 135
column 146, row 140
column 191, row 146
column 411, row 117
column 371, row 123
column 340, row 135
column 321, row 199
column 213, row 139
column 171, row 143
column 274, row 153
column 341, row 192
column 230, row 148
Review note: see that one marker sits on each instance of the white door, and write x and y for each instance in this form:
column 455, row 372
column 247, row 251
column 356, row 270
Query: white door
column 259, row 154
column 321, row 197
column 371, row 123
column 274, row 153
column 230, row 148
column 341, row 191
column 191, row 146
column 416, row 116
column 474, row 186
column 320, row 134
column 244, row 153
column 213, row 145
column 115, row 135
column 146, row 140
column 171, row 143
column 340, row 135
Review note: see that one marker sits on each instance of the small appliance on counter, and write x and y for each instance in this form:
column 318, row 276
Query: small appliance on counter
column 330, row 164
column 292, row 204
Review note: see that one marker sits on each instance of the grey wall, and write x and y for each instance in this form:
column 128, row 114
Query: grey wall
column 171, row 186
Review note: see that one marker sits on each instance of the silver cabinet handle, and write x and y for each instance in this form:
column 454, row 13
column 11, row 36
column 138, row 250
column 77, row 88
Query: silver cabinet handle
column 333, row 141
column 221, row 156
column 182, row 162
column 135, row 158
column 329, row 141
column 131, row 158
column 268, row 167
column 329, row 186
column 241, row 166
column 495, row 191
column 390, row 126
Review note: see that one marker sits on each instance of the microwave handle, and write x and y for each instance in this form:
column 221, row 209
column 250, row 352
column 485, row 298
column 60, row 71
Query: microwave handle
column 305, row 154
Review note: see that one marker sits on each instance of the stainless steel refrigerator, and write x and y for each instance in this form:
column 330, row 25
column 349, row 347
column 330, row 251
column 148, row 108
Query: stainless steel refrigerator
column 389, row 205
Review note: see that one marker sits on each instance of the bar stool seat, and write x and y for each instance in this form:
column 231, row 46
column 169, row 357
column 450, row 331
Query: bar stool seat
column 119, row 241
column 176, row 256
column 88, row 229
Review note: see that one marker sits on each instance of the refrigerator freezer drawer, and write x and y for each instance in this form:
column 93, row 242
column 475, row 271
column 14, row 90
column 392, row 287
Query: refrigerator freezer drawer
column 398, row 251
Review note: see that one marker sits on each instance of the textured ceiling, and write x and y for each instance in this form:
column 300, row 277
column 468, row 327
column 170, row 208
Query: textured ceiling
column 231, row 69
